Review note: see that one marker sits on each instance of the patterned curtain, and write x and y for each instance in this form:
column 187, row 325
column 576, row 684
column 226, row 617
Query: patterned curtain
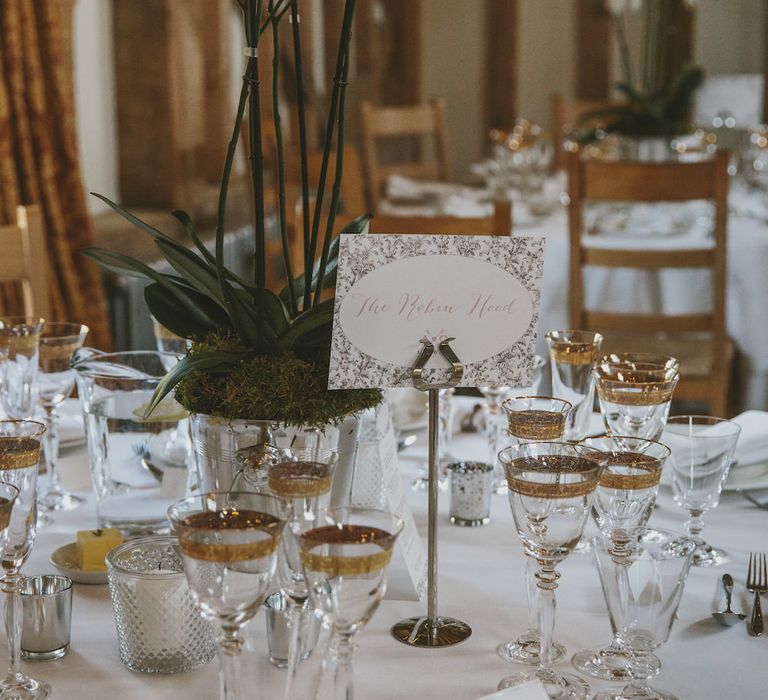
column 38, row 156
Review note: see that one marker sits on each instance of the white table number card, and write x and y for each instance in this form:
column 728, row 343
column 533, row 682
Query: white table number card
column 394, row 290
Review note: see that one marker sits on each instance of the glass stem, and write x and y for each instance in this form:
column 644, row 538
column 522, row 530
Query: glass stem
column 296, row 625
column 694, row 526
column 12, row 588
column 532, row 591
column 342, row 650
column 546, row 578
column 51, row 447
column 230, row 646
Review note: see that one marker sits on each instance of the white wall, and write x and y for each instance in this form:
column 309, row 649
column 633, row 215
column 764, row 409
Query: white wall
column 95, row 99
column 730, row 36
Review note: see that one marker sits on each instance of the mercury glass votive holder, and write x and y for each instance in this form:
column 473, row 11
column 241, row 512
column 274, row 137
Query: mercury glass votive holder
column 471, row 490
column 159, row 626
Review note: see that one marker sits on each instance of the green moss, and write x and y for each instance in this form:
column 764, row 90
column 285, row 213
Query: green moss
column 283, row 388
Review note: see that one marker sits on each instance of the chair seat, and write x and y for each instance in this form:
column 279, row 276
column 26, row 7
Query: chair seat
column 694, row 354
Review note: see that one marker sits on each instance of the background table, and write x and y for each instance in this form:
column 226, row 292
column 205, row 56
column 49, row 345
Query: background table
column 481, row 582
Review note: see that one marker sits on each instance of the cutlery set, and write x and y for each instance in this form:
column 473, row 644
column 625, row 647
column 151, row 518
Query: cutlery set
column 757, row 583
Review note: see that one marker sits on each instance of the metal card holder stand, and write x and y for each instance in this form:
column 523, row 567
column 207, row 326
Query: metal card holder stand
column 432, row 630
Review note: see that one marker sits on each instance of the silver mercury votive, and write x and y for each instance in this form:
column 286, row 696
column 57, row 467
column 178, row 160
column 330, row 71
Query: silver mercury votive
column 471, row 490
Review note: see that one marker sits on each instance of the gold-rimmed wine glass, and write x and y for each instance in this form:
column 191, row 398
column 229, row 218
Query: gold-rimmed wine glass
column 19, row 460
column 623, row 502
column 550, row 493
column 56, row 380
column 19, row 348
column 8, row 495
column 345, row 559
column 229, row 542
column 531, row 419
column 572, row 355
column 303, row 479
column 635, row 392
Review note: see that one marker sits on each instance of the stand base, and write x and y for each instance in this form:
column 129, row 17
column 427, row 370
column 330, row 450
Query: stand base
column 442, row 632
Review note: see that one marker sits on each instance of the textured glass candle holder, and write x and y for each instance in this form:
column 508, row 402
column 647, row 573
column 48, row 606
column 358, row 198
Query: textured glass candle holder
column 159, row 626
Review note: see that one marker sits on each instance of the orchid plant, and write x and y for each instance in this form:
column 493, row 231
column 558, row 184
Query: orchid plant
column 256, row 352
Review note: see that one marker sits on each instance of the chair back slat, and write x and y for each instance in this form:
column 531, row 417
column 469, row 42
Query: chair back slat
column 498, row 224
column 607, row 257
column 601, row 321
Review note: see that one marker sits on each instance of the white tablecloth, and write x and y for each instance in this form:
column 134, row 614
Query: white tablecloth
column 481, row 582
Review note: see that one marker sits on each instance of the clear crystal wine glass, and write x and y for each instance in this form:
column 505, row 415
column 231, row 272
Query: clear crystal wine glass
column 642, row 589
column 572, row 355
column 19, row 348
column 229, row 542
column 532, row 418
column 8, row 495
column 345, row 559
column 56, row 379
column 623, row 502
column 635, row 393
column 550, row 493
column 303, row 480
column 19, row 460
column 702, row 451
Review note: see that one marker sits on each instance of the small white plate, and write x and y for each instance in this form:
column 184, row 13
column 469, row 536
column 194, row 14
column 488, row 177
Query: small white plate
column 64, row 560
column 754, row 476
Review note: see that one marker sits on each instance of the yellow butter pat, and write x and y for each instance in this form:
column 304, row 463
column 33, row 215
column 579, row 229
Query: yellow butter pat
column 93, row 547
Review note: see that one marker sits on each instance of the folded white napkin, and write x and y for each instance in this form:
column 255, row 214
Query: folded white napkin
column 460, row 204
column 532, row 690
column 406, row 188
column 660, row 219
column 752, row 447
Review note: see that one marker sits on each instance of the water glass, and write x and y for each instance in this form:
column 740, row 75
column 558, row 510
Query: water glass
column 572, row 355
column 702, row 452
column 635, row 393
column 19, row 348
column 642, row 590
column 134, row 474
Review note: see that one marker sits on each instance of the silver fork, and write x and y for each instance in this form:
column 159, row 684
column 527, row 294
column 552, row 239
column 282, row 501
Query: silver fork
column 757, row 583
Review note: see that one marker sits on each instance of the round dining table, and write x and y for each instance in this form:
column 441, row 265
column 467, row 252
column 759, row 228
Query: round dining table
column 480, row 582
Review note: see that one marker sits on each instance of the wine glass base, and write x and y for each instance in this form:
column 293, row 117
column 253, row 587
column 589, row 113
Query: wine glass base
column 59, row 501
column 559, row 686
column 611, row 664
column 635, row 692
column 443, row 632
column 525, row 650
column 707, row 556
column 20, row 687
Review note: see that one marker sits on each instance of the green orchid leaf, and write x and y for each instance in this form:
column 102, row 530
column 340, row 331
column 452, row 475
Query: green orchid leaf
column 359, row 225
column 208, row 361
column 164, row 307
column 186, row 221
column 107, row 260
column 275, row 312
column 198, row 273
column 317, row 317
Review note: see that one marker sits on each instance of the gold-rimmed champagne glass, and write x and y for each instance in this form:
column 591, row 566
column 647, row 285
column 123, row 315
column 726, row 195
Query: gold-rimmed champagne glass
column 551, row 485
column 19, row 348
column 702, row 452
column 229, row 542
column 56, row 380
column 8, row 495
column 635, row 392
column 19, row 460
column 531, row 419
column 572, row 355
column 303, row 479
column 345, row 559
column 623, row 502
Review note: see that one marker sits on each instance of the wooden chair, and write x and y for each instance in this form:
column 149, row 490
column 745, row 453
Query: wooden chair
column 699, row 341
column 25, row 259
column 566, row 116
column 419, row 121
column 498, row 224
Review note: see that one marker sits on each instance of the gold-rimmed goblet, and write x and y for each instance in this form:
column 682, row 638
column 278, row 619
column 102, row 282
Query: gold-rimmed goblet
column 56, row 380
column 531, row 419
column 19, row 348
column 345, row 559
column 19, row 460
column 635, row 392
column 303, row 479
column 8, row 495
column 623, row 502
column 229, row 542
column 551, row 485
column 702, row 451
column 572, row 355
